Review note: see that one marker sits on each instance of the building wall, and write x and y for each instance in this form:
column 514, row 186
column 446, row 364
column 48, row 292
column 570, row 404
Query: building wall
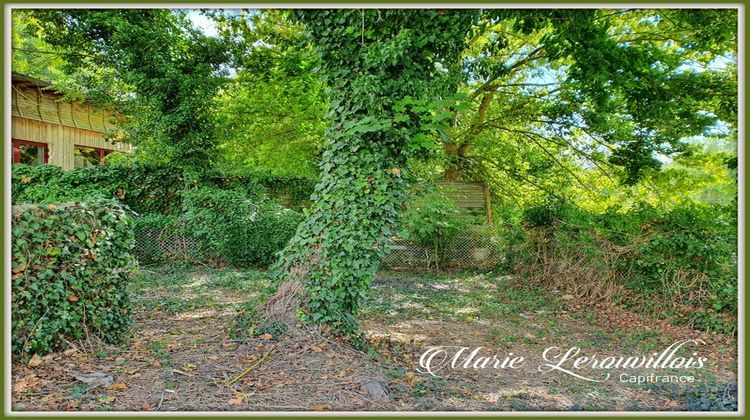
column 41, row 116
column 60, row 139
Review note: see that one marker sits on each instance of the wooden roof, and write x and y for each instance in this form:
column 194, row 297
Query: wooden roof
column 37, row 99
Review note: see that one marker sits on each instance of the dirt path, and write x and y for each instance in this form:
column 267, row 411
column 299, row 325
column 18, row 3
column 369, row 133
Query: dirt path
column 180, row 356
column 501, row 317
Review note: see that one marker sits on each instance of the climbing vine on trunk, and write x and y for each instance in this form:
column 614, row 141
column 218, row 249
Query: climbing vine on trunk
column 385, row 70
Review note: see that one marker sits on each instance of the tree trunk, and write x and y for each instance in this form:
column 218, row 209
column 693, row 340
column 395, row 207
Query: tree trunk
column 452, row 170
column 335, row 253
column 330, row 262
column 456, row 153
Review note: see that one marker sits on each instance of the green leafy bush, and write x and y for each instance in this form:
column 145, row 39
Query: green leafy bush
column 70, row 267
column 144, row 188
column 679, row 261
column 691, row 256
column 24, row 177
column 250, row 186
column 231, row 225
column 553, row 210
column 230, row 216
column 45, row 184
column 432, row 221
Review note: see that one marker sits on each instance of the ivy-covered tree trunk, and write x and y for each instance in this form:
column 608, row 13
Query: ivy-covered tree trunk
column 374, row 63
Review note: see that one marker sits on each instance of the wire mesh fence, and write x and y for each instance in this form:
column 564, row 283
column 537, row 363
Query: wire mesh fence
column 473, row 248
column 154, row 245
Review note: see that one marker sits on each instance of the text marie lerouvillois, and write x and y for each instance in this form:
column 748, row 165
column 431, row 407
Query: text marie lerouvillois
column 572, row 361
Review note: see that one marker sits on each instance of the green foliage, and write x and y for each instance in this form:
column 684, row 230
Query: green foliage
column 270, row 118
column 684, row 257
column 41, row 184
column 371, row 60
column 56, row 192
column 607, row 109
column 144, row 188
column 552, row 210
column 70, row 267
column 254, row 187
column 432, row 221
column 591, row 104
column 231, row 225
column 152, row 64
column 230, row 216
column 296, row 191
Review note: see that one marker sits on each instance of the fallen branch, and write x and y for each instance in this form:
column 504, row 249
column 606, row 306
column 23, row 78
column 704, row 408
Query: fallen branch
column 161, row 401
column 181, row 372
column 248, row 370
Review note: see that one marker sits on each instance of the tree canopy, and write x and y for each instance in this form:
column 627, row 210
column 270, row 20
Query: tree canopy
column 151, row 63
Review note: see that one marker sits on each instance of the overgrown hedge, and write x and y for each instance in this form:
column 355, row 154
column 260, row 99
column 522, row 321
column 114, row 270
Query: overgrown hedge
column 226, row 227
column 144, row 188
column 681, row 261
column 242, row 230
column 71, row 264
column 231, row 218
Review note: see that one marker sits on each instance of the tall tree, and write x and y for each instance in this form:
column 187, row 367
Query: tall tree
column 381, row 68
column 610, row 90
column 270, row 118
column 154, row 65
column 524, row 99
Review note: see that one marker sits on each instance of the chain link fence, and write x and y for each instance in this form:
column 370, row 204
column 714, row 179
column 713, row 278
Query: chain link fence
column 476, row 247
column 154, row 246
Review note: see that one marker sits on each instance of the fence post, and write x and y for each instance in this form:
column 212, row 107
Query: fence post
column 488, row 204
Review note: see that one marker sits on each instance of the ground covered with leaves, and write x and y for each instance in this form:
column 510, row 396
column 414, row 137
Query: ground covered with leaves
column 181, row 357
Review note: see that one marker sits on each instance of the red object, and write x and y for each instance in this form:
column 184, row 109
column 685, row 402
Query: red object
column 102, row 152
column 17, row 149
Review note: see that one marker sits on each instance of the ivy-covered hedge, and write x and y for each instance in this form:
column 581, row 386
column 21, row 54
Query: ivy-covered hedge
column 230, row 217
column 71, row 264
column 144, row 188
column 239, row 229
column 215, row 226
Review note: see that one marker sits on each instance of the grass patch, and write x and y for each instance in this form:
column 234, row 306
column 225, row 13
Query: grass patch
column 176, row 305
column 459, row 297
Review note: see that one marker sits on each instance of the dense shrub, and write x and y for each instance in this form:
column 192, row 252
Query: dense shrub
column 680, row 260
column 691, row 256
column 292, row 192
column 230, row 216
column 43, row 184
column 70, row 267
column 231, row 225
column 24, row 177
column 247, row 185
column 551, row 211
column 431, row 222
column 295, row 192
column 144, row 188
